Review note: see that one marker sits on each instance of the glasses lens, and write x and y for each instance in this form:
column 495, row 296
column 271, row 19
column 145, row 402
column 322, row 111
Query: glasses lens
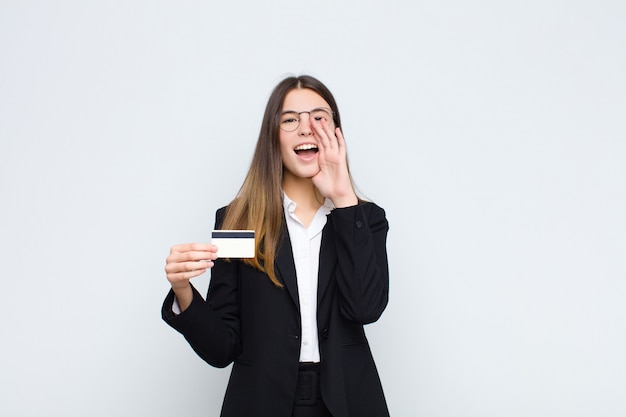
column 319, row 114
column 289, row 121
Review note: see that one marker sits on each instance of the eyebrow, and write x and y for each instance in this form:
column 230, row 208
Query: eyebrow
column 306, row 111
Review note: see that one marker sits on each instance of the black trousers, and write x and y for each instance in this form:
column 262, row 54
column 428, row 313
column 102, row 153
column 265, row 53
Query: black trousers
column 308, row 394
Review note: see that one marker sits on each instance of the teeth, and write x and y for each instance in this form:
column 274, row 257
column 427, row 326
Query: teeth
column 305, row 147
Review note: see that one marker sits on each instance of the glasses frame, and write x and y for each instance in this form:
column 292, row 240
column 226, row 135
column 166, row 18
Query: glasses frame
column 280, row 124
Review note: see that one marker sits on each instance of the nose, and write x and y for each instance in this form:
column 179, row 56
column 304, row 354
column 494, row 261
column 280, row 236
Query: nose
column 304, row 127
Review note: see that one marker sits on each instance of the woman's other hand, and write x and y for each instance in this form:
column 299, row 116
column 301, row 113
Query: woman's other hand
column 187, row 261
column 333, row 180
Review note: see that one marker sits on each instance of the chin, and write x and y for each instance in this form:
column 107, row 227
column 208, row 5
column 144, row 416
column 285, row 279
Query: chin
column 310, row 173
column 302, row 172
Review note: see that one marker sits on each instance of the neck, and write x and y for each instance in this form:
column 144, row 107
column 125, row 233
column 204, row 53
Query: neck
column 302, row 192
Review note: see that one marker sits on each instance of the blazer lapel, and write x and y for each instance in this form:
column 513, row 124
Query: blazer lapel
column 286, row 268
column 327, row 261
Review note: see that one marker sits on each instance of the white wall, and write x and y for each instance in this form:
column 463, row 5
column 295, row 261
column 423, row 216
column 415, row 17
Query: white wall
column 493, row 133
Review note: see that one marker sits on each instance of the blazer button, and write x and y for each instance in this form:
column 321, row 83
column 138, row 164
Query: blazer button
column 359, row 224
column 325, row 333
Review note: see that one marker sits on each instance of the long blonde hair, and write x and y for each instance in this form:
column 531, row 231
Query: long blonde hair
column 259, row 202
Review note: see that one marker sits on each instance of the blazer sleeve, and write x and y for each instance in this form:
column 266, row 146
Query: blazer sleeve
column 360, row 234
column 211, row 327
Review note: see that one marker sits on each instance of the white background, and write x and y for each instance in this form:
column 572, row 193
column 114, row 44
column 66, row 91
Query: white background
column 492, row 132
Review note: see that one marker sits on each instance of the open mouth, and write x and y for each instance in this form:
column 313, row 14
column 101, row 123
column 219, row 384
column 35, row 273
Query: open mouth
column 306, row 149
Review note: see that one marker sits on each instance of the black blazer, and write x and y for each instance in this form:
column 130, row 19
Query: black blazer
column 248, row 320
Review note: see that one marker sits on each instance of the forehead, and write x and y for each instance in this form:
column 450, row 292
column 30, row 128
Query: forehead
column 303, row 99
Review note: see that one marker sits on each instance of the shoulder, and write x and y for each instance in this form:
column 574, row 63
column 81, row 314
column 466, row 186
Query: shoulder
column 220, row 214
column 372, row 209
column 374, row 215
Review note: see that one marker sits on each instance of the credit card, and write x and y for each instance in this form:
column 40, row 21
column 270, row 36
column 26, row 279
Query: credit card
column 233, row 243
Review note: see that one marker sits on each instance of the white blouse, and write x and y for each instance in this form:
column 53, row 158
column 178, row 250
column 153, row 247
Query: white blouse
column 305, row 244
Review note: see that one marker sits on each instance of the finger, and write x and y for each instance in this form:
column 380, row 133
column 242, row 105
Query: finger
column 183, row 253
column 187, row 247
column 176, row 267
column 320, row 135
column 328, row 133
column 325, row 130
column 341, row 142
column 184, row 276
column 191, row 256
column 322, row 144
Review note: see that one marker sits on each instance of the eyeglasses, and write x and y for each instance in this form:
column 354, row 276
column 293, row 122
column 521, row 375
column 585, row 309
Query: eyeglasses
column 290, row 120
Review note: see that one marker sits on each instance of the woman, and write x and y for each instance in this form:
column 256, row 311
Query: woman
column 291, row 319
